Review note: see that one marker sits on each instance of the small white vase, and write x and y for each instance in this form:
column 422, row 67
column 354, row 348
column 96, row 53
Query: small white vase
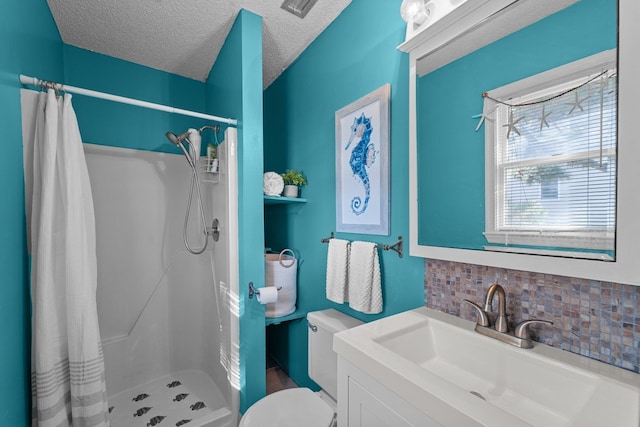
column 290, row 191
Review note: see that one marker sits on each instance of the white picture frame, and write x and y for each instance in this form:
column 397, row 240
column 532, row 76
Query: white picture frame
column 362, row 164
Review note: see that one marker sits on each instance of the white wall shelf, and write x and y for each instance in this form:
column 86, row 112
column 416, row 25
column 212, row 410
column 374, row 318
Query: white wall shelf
column 298, row 314
column 281, row 200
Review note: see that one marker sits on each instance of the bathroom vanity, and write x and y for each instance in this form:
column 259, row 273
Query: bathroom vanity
column 369, row 403
column 427, row 368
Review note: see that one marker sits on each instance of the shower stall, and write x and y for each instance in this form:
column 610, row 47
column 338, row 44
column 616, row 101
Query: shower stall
column 168, row 316
column 168, row 319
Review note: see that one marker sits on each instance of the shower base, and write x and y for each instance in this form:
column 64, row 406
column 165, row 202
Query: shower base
column 186, row 398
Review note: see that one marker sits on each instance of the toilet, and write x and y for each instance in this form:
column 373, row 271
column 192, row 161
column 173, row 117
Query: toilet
column 297, row 407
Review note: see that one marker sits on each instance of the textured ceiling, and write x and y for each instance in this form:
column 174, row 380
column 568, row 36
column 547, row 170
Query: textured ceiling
column 184, row 37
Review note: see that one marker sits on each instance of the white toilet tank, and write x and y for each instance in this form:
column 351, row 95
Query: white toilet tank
column 323, row 361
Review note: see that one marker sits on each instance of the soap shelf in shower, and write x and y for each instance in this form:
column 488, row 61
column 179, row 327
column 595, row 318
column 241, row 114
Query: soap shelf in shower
column 205, row 170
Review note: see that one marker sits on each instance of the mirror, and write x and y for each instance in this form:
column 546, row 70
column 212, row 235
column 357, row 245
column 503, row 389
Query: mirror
column 447, row 154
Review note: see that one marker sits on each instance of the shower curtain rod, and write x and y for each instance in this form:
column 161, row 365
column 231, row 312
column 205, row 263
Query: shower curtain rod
column 33, row 81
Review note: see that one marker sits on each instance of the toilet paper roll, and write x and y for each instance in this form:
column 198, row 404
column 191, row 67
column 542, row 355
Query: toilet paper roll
column 267, row 295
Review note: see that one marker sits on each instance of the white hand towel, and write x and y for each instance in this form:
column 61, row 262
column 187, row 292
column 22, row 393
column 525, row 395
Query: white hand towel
column 337, row 264
column 365, row 290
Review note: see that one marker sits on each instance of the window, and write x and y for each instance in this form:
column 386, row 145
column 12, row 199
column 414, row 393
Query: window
column 551, row 161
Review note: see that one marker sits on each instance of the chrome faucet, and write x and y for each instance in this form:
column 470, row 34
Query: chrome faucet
column 501, row 320
column 521, row 337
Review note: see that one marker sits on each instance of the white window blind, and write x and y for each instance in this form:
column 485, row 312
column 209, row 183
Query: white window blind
column 554, row 161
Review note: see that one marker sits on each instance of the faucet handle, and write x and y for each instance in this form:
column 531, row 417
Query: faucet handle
column 522, row 330
column 483, row 319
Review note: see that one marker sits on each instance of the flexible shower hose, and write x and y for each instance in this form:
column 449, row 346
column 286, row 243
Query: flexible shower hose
column 194, row 178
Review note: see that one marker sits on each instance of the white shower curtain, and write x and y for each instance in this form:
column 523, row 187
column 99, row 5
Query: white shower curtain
column 68, row 383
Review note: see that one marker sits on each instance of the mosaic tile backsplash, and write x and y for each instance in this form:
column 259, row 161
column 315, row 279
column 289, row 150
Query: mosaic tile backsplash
column 600, row 320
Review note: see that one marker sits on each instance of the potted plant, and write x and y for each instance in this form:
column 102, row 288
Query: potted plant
column 293, row 180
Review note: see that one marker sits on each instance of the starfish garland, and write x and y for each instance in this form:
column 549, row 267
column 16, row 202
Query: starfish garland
column 511, row 126
column 577, row 103
column 602, row 86
column 543, row 118
column 483, row 116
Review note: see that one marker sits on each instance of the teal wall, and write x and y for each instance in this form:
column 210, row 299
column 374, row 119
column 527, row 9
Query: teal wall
column 451, row 97
column 235, row 86
column 107, row 123
column 30, row 44
column 355, row 55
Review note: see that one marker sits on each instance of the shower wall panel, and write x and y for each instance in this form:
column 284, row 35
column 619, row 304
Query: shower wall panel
column 157, row 304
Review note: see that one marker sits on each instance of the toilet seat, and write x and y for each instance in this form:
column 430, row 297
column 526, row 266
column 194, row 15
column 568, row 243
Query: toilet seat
column 292, row 407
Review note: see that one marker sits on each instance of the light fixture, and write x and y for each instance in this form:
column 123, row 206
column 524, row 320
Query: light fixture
column 413, row 11
column 421, row 14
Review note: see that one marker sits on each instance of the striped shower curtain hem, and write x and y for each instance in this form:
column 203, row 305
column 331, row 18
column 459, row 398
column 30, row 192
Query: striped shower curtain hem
column 86, row 407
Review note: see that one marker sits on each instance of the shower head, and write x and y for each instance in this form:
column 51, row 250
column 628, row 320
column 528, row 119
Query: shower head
column 179, row 141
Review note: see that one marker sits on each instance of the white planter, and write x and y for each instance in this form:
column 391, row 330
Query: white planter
column 290, row 191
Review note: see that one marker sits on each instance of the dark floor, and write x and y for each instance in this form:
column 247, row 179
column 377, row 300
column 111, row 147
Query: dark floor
column 277, row 378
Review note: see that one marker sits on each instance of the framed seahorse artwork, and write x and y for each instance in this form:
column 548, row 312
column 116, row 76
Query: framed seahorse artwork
column 362, row 164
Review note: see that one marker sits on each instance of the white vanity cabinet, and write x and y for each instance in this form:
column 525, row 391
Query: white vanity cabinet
column 364, row 402
column 427, row 368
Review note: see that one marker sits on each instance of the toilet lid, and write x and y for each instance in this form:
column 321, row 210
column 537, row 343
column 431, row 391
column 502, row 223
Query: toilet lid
column 293, row 407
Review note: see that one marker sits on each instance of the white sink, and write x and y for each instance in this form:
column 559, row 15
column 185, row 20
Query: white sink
column 438, row 363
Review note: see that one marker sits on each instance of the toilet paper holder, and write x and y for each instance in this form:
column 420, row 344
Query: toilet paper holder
column 253, row 291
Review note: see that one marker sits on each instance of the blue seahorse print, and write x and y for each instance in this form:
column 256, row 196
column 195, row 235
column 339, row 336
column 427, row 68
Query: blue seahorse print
column 363, row 156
